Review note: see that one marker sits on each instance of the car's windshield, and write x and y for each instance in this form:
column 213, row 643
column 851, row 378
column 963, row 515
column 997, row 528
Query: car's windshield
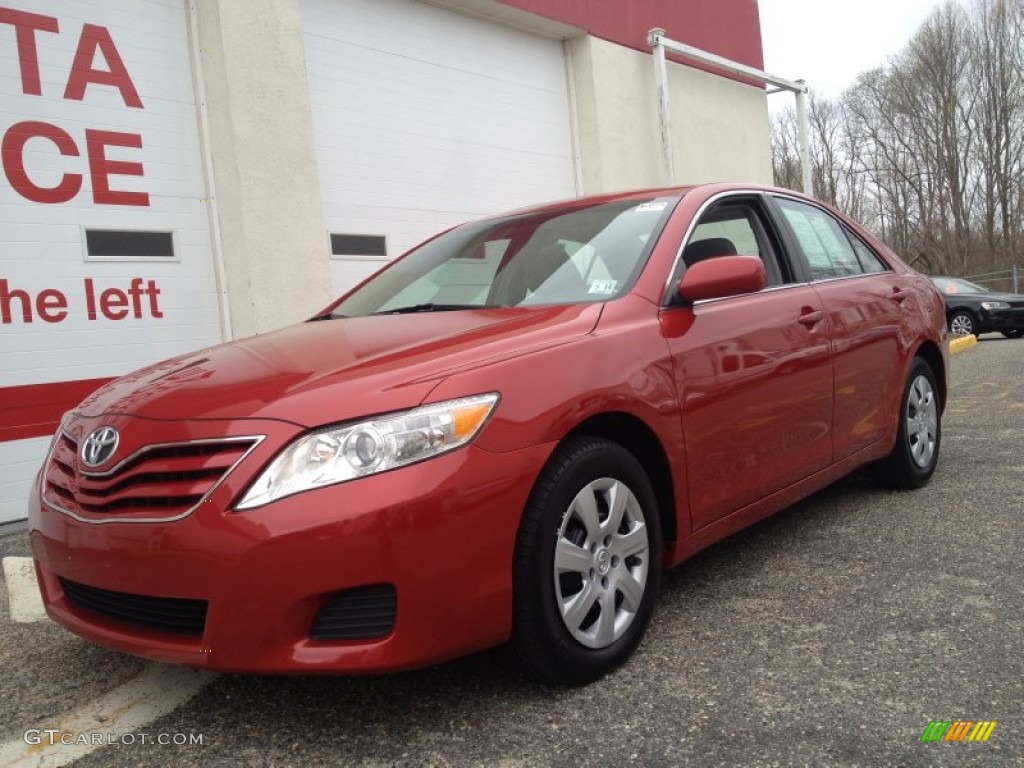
column 587, row 253
column 951, row 285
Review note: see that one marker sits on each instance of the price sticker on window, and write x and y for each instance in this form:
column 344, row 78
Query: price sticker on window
column 603, row 287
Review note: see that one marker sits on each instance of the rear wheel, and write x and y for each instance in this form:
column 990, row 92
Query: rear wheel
column 587, row 563
column 962, row 323
column 916, row 453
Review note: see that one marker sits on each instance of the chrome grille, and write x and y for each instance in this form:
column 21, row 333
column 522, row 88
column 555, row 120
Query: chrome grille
column 164, row 481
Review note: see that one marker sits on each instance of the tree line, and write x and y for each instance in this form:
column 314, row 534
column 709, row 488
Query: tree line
column 927, row 150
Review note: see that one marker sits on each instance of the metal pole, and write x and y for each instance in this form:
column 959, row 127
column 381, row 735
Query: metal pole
column 1016, row 279
column 661, row 77
column 720, row 62
column 212, row 207
column 805, row 145
column 660, row 44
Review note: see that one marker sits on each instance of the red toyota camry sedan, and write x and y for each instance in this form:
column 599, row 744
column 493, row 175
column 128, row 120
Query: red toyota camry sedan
column 505, row 435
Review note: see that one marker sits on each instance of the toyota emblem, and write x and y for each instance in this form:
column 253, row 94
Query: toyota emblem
column 99, row 446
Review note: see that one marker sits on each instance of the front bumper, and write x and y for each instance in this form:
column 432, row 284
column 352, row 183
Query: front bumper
column 442, row 532
column 1011, row 319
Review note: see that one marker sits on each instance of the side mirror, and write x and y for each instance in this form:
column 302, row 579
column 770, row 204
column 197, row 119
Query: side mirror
column 722, row 276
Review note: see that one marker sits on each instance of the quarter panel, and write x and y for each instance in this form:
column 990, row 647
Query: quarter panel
column 867, row 356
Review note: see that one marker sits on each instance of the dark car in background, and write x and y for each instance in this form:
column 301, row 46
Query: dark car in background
column 975, row 309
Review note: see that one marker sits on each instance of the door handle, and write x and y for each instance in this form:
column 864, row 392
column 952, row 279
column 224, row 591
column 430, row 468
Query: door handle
column 899, row 295
column 811, row 318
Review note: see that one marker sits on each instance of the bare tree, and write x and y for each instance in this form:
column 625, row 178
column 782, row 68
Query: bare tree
column 998, row 69
column 928, row 149
column 786, row 150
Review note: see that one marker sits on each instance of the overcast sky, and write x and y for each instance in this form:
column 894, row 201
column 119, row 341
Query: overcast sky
column 828, row 43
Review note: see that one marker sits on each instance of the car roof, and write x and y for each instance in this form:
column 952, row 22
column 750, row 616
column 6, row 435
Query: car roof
column 676, row 191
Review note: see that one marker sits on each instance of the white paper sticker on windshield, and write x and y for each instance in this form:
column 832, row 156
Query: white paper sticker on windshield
column 651, row 207
column 603, row 287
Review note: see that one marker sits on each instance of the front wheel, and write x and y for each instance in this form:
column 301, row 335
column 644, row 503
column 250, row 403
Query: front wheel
column 1015, row 334
column 587, row 563
column 916, row 453
column 962, row 324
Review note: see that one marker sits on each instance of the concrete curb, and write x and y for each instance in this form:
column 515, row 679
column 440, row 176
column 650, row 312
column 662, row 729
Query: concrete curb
column 959, row 344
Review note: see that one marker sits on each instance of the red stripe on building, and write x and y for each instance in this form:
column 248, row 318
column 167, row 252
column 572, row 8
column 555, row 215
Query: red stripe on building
column 34, row 410
column 730, row 28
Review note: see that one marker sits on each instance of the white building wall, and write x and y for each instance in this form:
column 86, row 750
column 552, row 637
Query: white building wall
column 720, row 126
column 253, row 67
column 89, row 327
column 425, row 118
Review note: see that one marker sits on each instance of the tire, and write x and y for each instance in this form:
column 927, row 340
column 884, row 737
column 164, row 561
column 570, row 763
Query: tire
column 579, row 618
column 1016, row 334
column 916, row 453
column 962, row 323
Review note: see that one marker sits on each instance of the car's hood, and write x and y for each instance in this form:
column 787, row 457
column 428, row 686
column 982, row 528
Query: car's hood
column 1013, row 299
column 332, row 370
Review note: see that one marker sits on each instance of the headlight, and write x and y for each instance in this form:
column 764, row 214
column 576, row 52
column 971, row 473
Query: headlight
column 995, row 305
column 337, row 454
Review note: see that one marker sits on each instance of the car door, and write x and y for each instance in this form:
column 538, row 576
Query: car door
column 752, row 372
column 863, row 299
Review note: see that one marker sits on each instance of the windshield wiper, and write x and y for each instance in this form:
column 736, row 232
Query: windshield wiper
column 428, row 307
column 328, row 316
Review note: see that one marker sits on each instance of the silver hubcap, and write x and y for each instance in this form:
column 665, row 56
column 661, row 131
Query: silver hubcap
column 961, row 325
column 922, row 421
column 601, row 561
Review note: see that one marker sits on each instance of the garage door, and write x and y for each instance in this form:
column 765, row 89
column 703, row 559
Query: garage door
column 105, row 255
column 424, row 118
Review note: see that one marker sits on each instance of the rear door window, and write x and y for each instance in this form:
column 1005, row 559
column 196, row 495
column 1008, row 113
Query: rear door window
column 830, row 249
column 869, row 260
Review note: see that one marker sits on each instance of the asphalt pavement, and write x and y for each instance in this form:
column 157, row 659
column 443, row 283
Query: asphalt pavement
column 830, row 634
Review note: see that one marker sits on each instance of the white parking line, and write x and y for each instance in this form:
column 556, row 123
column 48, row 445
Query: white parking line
column 158, row 690
column 22, row 590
